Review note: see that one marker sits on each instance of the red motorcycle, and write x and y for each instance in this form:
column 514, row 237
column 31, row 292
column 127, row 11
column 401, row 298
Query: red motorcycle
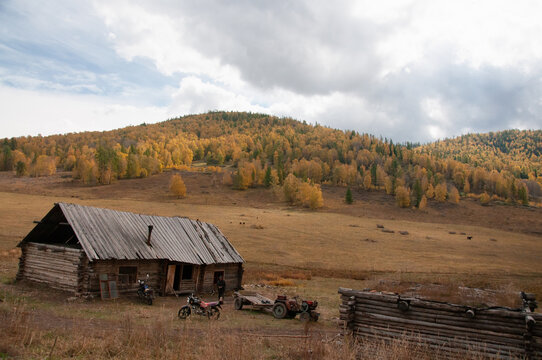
column 199, row 307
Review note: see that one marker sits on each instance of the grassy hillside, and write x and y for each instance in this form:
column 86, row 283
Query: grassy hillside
column 262, row 150
column 435, row 251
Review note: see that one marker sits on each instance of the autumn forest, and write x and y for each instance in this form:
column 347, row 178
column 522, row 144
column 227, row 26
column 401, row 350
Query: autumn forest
column 255, row 150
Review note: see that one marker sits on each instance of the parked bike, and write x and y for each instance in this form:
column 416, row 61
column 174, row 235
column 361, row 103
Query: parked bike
column 199, row 307
column 144, row 292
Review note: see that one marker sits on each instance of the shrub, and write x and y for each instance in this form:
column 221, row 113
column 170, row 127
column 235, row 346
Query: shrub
column 44, row 166
column 316, row 200
column 430, row 193
column 367, row 181
column 453, row 196
column 423, row 203
column 484, row 199
column 402, row 196
column 282, row 282
column 302, row 193
column 466, row 187
column 441, row 192
column 389, row 185
column 290, row 188
column 177, row 186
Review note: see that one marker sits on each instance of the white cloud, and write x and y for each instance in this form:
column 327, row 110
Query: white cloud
column 408, row 69
column 138, row 32
column 197, row 96
column 495, row 33
column 27, row 112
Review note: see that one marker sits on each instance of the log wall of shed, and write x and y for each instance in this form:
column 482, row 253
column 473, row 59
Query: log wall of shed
column 53, row 265
column 232, row 276
column 111, row 267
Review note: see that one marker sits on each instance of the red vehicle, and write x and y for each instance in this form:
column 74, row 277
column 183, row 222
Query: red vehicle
column 281, row 308
column 285, row 307
column 197, row 306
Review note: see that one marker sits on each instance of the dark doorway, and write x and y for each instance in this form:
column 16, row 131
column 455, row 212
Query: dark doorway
column 177, row 279
column 217, row 275
column 188, row 270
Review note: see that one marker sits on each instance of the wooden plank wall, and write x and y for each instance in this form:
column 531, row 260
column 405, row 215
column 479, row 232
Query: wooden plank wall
column 111, row 267
column 189, row 286
column 231, row 276
column 56, row 266
column 494, row 332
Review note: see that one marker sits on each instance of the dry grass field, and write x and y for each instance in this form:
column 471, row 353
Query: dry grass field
column 311, row 252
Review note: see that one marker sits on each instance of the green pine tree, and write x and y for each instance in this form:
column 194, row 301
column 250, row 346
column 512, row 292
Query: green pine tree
column 267, row 179
column 418, row 192
column 348, row 197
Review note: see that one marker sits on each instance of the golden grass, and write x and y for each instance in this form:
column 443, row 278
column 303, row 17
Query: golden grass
column 159, row 336
column 294, row 243
column 321, row 242
column 309, row 254
column 282, row 282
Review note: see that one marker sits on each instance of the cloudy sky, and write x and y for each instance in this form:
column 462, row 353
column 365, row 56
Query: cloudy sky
column 406, row 70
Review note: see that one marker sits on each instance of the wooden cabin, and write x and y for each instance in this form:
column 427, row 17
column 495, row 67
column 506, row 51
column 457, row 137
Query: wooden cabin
column 83, row 249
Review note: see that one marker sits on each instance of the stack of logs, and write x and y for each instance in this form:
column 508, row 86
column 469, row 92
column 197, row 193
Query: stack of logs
column 447, row 328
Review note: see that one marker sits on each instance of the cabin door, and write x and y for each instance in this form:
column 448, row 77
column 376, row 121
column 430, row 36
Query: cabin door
column 173, row 279
column 170, row 279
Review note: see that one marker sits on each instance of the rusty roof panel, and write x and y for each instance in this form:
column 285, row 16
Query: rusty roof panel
column 111, row 234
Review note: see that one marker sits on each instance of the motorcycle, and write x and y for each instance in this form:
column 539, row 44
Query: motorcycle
column 144, row 292
column 199, row 307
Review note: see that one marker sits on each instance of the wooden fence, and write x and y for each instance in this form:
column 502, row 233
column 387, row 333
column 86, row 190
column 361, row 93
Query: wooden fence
column 448, row 328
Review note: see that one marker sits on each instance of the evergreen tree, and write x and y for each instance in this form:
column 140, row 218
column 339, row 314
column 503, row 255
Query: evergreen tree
column 523, row 194
column 267, row 180
column 20, row 168
column 373, row 174
column 418, row 192
column 348, row 196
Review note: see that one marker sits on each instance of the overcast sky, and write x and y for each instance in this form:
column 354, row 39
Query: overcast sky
column 406, row 70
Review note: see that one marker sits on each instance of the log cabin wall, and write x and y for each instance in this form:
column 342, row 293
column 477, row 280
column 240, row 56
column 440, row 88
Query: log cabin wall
column 446, row 328
column 126, row 283
column 231, row 276
column 54, row 265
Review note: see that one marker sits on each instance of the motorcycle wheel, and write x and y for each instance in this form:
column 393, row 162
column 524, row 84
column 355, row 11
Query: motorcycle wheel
column 184, row 312
column 149, row 300
column 215, row 314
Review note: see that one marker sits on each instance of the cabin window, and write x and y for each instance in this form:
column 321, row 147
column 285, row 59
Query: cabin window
column 127, row 274
column 187, row 272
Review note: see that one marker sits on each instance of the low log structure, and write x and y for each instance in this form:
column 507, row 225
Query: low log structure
column 75, row 248
column 495, row 332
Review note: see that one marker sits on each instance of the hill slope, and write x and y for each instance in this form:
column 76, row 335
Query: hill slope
column 264, row 149
column 519, row 151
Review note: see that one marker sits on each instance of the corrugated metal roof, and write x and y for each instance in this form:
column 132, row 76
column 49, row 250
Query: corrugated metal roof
column 110, row 234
